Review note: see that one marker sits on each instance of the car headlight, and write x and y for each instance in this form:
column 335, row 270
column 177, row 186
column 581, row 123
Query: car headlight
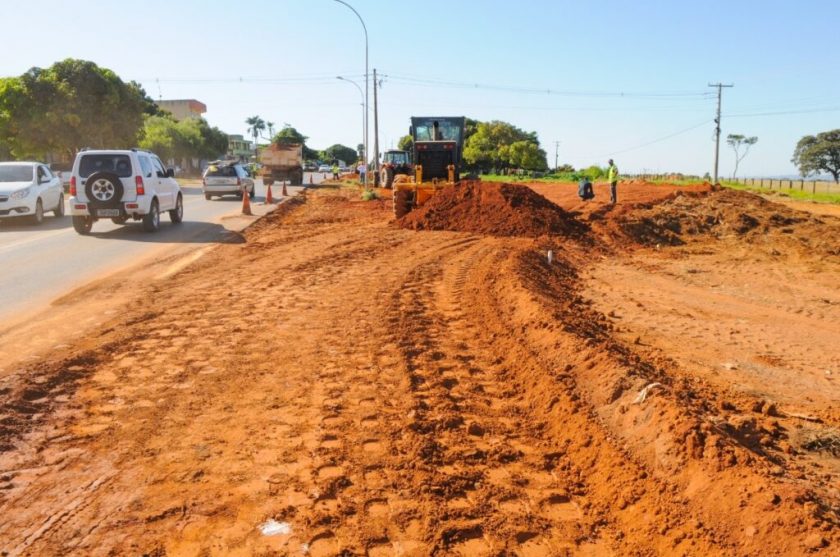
column 21, row 194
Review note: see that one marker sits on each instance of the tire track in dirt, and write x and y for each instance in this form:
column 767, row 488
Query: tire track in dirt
column 380, row 392
column 486, row 480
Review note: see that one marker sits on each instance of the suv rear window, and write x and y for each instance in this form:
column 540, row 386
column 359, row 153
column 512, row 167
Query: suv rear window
column 118, row 164
column 223, row 171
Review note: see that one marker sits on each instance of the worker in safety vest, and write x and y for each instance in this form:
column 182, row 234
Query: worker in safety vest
column 335, row 172
column 612, row 178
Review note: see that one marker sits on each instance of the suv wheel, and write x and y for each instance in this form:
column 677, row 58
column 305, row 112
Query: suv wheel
column 59, row 210
column 176, row 215
column 83, row 224
column 104, row 188
column 151, row 220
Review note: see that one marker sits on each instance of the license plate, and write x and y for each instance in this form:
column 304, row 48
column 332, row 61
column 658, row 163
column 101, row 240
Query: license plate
column 107, row 212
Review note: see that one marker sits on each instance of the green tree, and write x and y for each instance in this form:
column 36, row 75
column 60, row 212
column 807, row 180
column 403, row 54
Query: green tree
column 594, row 172
column 159, row 136
column 491, row 145
column 191, row 138
column 819, row 153
column 342, row 153
column 71, row 104
column 737, row 142
column 255, row 126
column 527, row 155
column 290, row 135
column 406, row 143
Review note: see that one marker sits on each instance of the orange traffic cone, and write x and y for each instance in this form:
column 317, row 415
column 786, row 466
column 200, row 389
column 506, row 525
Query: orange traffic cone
column 268, row 198
column 284, row 190
column 310, row 179
column 246, row 203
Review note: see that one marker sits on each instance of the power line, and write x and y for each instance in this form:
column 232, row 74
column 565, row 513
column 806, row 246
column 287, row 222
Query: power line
column 657, row 140
column 781, row 112
column 544, row 91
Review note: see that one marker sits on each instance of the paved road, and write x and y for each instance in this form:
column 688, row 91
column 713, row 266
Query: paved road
column 41, row 263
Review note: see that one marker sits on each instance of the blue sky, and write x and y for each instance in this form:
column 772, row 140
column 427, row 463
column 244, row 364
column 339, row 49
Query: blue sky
column 622, row 76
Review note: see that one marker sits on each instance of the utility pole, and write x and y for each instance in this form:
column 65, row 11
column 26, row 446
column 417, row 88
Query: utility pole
column 556, row 154
column 720, row 87
column 375, row 132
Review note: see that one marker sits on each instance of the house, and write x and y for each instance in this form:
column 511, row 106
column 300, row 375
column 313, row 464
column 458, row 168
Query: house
column 183, row 108
column 239, row 148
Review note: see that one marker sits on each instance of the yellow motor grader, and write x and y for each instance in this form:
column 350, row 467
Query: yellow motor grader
column 438, row 145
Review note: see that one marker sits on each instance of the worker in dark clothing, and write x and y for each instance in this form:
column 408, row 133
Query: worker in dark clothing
column 585, row 190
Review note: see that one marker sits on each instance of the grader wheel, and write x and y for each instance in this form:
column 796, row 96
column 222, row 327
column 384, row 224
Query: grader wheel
column 402, row 203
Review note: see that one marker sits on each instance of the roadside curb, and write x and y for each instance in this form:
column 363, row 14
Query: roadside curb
column 239, row 223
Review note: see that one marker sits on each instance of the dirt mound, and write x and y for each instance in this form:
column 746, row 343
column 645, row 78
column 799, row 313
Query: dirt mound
column 729, row 214
column 493, row 208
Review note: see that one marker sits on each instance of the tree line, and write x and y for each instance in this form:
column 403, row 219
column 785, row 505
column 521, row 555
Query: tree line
column 51, row 113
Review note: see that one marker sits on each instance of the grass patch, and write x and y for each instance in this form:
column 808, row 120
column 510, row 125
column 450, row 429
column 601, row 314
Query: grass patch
column 791, row 194
column 369, row 195
column 517, row 179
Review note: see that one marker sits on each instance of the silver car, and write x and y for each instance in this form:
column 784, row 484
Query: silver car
column 227, row 178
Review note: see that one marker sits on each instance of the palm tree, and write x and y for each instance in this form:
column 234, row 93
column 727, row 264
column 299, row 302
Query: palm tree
column 270, row 126
column 255, row 126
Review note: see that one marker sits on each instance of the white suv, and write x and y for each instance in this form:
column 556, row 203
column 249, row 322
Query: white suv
column 122, row 185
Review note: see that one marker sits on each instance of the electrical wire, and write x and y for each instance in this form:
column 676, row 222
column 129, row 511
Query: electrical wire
column 658, row 140
column 781, row 112
column 544, row 91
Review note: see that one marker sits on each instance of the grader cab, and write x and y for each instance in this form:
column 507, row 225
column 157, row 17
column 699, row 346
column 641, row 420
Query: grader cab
column 438, row 145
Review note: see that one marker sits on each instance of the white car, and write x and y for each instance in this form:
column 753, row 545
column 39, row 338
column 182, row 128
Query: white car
column 227, row 178
column 29, row 189
column 325, row 168
column 122, row 185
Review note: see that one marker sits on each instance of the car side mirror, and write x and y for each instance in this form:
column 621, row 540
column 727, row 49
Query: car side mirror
column 170, row 172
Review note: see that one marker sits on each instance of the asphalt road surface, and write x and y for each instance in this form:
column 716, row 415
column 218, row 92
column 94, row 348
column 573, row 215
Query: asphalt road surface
column 41, row 263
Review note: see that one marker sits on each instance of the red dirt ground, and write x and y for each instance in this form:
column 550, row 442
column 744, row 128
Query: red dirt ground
column 383, row 391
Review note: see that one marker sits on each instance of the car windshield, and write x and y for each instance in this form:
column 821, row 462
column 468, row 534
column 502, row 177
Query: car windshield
column 444, row 131
column 222, row 171
column 396, row 158
column 15, row 173
column 118, row 164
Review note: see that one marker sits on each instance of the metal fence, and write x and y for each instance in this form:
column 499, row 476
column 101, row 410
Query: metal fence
column 812, row 186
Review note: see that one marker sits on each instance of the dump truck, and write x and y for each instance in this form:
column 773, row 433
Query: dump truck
column 438, row 146
column 394, row 163
column 282, row 162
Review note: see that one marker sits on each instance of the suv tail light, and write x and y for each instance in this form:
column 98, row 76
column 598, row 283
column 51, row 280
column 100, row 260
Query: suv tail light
column 139, row 186
column 72, row 185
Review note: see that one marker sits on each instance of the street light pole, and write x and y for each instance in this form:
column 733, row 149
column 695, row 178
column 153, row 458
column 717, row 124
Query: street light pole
column 367, row 174
column 364, row 116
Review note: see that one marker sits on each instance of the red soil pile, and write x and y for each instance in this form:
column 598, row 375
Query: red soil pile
column 495, row 209
column 730, row 214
